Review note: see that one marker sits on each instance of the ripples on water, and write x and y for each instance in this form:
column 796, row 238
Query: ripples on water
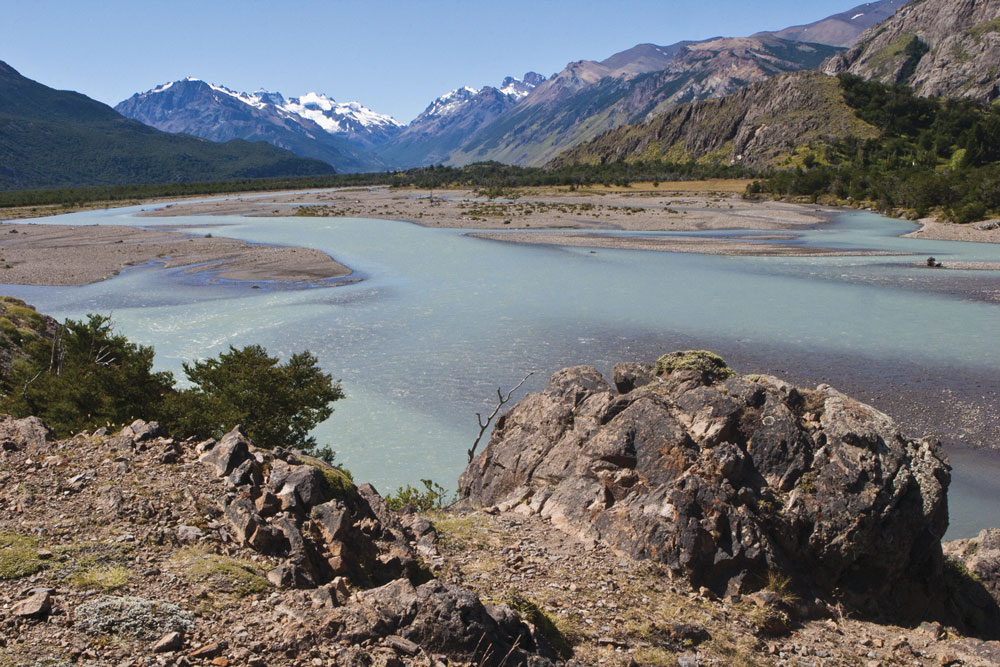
column 442, row 320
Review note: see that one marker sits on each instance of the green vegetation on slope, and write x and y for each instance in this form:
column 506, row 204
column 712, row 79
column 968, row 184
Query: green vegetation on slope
column 51, row 138
column 931, row 155
column 763, row 125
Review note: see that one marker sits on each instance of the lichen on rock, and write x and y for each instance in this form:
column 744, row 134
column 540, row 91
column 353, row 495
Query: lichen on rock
column 727, row 478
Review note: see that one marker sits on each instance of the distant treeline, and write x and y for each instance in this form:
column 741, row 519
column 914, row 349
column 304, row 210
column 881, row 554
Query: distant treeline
column 486, row 175
column 932, row 154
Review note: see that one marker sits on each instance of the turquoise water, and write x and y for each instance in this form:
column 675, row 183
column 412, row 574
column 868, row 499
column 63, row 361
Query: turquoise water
column 442, row 319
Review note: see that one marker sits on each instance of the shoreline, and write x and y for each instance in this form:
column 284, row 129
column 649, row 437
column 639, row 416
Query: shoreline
column 543, row 216
column 71, row 255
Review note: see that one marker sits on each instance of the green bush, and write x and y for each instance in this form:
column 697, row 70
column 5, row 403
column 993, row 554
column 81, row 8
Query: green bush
column 87, row 376
column 277, row 404
column 432, row 497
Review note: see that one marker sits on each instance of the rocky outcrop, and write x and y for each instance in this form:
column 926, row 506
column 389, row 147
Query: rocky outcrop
column 727, row 479
column 190, row 544
column 762, row 124
column 942, row 48
column 16, row 434
column 333, row 536
column 980, row 557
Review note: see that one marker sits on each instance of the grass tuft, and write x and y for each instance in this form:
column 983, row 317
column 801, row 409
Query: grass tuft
column 228, row 575
column 18, row 556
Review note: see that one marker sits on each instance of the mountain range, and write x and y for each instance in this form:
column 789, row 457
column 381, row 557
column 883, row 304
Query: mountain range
column 938, row 47
column 55, row 139
column 525, row 121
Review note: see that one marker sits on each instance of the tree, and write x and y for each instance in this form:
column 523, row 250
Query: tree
column 86, row 376
column 277, row 404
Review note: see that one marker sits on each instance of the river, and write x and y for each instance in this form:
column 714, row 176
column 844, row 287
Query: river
column 441, row 320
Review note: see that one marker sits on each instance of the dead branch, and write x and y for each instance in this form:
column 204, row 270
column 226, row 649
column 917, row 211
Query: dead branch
column 501, row 401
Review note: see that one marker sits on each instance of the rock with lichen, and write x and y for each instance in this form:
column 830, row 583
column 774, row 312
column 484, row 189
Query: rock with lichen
column 727, row 478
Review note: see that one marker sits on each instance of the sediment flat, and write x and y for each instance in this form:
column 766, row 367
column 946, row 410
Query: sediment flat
column 544, row 209
column 949, row 231
column 33, row 254
column 74, row 255
column 702, row 246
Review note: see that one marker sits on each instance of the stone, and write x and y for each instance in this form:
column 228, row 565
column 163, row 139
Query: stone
column 208, row 651
column 18, row 434
column 402, row 645
column 333, row 520
column 241, row 514
column 726, row 478
column 267, row 504
column 629, row 376
column 247, row 473
column 980, row 555
column 37, row 606
column 227, row 454
column 171, row 641
column 308, row 485
column 141, row 431
column 189, row 533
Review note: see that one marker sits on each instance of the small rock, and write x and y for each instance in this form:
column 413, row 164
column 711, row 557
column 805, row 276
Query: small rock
column 189, row 533
column 37, row 606
column 402, row 645
column 171, row 641
column 208, row 651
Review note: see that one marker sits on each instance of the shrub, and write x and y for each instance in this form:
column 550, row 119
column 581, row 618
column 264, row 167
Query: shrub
column 432, row 497
column 277, row 404
column 87, row 376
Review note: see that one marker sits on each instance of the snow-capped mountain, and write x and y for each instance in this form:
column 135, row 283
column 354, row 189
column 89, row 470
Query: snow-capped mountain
column 313, row 125
column 353, row 119
column 449, row 103
column 451, row 119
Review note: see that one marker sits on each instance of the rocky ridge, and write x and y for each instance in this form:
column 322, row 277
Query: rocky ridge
column 765, row 124
column 135, row 548
column 937, row 47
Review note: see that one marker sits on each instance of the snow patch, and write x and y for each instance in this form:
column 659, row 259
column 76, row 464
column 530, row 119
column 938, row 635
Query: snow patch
column 335, row 116
column 857, row 16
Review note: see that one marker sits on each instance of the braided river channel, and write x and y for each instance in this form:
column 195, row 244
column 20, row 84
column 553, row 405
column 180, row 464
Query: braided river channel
column 440, row 320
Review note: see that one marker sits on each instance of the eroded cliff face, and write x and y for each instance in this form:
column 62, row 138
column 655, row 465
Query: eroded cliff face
column 948, row 48
column 726, row 479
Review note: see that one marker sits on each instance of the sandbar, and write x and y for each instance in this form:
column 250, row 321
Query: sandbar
column 32, row 254
column 702, row 246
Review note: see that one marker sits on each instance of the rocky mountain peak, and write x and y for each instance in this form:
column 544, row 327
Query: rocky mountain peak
column 938, row 47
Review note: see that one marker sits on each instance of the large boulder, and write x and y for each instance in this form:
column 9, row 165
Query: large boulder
column 18, row 434
column 726, row 478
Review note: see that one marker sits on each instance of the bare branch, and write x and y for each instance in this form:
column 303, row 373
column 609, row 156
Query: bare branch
column 501, row 401
column 24, row 392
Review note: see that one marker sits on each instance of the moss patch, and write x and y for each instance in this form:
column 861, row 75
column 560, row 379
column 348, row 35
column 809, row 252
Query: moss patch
column 338, row 481
column 103, row 578
column 702, row 361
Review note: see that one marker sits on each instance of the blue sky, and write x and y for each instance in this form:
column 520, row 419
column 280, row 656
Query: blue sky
column 393, row 56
